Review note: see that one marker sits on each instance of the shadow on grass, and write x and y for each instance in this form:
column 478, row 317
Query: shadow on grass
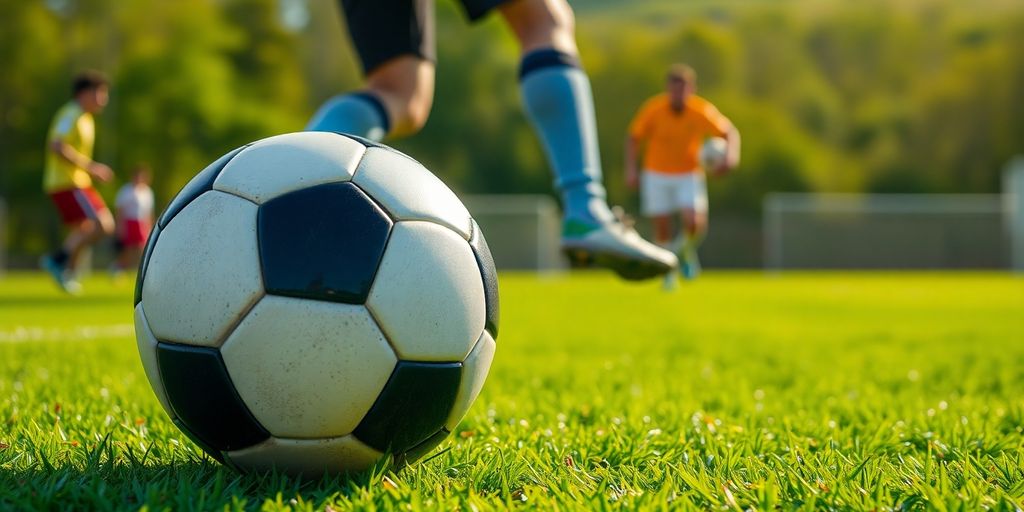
column 196, row 484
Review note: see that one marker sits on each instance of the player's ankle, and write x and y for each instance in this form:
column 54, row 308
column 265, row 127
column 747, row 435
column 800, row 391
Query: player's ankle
column 586, row 208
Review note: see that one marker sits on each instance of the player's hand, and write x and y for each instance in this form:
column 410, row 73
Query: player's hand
column 102, row 172
column 728, row 164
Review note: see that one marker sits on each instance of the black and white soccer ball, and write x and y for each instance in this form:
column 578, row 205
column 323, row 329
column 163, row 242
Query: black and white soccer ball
column 312, row 302
column 713, row 153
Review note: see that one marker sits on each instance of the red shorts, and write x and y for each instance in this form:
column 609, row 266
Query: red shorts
column 78, row 204
column 133, row 233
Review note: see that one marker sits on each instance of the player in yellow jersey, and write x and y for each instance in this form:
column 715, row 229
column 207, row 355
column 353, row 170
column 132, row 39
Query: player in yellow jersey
column 670, row 129
column 68, row 177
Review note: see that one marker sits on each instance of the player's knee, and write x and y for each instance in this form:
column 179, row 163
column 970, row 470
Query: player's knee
column 407, row 93
column 699, row 223
column 104, row 226
column 87, row 228
column 542, row 23
column 417, row 111
column 409, row 113
column 553, row 16
column 565, row 19
column 690, row 221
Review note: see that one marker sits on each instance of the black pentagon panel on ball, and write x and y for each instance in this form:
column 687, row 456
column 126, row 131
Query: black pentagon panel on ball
column 204, row 398
column 197, row 186
column 323, row 242
column 412, row 407
column 416, row 452
column 490, row 276
column 211, row 451
column 144, row 262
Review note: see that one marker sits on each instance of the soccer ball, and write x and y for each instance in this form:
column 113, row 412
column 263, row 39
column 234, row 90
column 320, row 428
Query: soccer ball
column 314, row 302
column 713, row 153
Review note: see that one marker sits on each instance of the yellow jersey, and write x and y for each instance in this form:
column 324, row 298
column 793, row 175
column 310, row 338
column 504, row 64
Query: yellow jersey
column 674, row 138
column 76, row 128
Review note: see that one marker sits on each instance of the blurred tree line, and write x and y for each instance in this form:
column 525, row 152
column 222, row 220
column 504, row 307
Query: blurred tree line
column 915, row 96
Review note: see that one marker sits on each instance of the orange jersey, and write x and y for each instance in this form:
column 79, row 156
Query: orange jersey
column 674, row 138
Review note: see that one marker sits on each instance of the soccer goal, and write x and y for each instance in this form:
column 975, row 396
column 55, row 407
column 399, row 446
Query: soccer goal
column 886, row 231
column 1013, row 205
column 522, row 230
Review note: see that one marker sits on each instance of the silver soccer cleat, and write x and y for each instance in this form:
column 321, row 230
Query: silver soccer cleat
column 615, row 246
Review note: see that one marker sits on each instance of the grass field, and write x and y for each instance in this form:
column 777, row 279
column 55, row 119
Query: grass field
column 742, row 391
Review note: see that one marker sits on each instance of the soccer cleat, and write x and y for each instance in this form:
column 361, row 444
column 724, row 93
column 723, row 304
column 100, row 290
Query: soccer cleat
column 56, row 271
column 617, row 247
column 72, row 286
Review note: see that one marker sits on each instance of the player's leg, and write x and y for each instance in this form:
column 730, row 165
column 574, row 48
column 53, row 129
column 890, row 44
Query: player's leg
column 86, row 234
column 78, row 239
column 120, row 250
column 664, row 236
column 78, row 215
column 397, row 101
column 694, row 230
column 559, row 103
column 657, row 193
column 96, row 224
column 694, row 219
column 57, row 262
column 395, row 43
column 129, row 241
column 662, row 230
column 129, row 257
column 558, row 100
column 63, row 263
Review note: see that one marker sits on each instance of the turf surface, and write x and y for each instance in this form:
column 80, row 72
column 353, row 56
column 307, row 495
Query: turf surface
column 850, row 391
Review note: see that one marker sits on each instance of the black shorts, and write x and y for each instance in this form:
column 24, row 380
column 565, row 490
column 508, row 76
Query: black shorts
column 384, row 29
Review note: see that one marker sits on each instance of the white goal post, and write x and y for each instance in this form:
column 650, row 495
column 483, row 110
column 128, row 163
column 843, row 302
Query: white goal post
column 522, row 230
column 885, row 231
column 1013, row 195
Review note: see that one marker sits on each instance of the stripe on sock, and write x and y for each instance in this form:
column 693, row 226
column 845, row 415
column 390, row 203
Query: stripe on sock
column 377, row 105
column 546, row 58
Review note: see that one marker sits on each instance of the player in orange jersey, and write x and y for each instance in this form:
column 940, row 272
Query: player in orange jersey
column 670, row 129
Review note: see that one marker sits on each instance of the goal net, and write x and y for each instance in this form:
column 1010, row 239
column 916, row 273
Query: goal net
column 522, row 230
column 886, row 231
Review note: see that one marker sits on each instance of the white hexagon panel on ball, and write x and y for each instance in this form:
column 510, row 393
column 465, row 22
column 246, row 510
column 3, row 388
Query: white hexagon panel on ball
column 307, row 368
column 204, row 271
column 409, row 191
column 428, row 296
column 284, row 163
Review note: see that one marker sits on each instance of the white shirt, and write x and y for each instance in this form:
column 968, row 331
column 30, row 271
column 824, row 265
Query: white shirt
column 135, row 203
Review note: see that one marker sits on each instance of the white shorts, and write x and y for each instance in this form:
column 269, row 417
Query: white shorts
column 664, row 194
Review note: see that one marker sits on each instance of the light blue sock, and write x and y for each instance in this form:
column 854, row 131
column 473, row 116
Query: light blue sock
column 360, row 113
column 556, row 92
